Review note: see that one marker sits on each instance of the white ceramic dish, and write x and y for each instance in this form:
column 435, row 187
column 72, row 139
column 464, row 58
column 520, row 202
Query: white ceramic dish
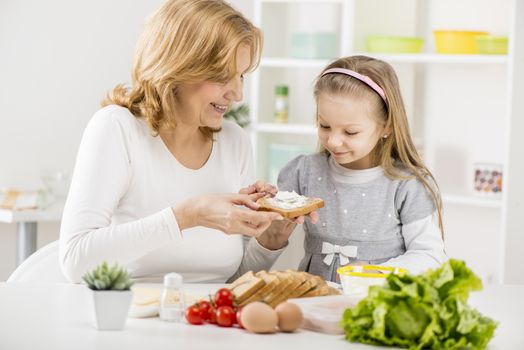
column 323, row 314
column 140, row 311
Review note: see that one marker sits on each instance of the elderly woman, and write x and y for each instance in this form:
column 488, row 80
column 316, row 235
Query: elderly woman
column 162, row 181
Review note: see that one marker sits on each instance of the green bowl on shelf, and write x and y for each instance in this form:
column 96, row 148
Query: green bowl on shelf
column 394, row 44
column 492, row 45
column 317, row 45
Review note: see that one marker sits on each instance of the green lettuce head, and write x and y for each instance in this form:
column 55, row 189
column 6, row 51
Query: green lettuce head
column 428, row 311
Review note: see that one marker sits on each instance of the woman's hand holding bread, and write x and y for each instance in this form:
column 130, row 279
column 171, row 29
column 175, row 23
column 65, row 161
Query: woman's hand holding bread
column 224, row 212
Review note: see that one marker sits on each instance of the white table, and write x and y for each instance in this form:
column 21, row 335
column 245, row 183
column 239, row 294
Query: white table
column 27, row 226
column 59, row 316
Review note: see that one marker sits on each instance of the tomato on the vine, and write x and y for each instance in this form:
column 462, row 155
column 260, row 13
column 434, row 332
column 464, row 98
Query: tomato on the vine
column 193, row 315
column 225, row 316
column 204, row 306
column 235, row 321
column 224, row 297
column 212, row 315
column 238, row 318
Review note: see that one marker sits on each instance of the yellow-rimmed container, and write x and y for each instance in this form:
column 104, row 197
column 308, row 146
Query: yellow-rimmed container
column 492, row 45
column 457, row 41
column 394, row 44
column 357, row 279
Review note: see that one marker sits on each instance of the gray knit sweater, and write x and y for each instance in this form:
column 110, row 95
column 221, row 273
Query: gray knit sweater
column 365, row 217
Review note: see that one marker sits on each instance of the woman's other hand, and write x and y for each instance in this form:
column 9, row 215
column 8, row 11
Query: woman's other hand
column 277, row 235
column 313, row 217
column 225, row 212
column 260, row 187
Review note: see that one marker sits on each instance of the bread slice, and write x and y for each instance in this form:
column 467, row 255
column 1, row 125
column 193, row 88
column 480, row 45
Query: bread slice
column 322, row 291
column 311, row 205
column 271, row 281
column 275, row 287
column 306, row 286
column 286, row 280
column 245, row 286
column 297, row 279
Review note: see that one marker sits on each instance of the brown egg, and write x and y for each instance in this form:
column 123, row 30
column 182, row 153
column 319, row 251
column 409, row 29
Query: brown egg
column 289, row 316
column 258, row 317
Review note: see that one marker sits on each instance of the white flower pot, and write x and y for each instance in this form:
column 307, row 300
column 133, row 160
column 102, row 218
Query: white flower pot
column 111, row 308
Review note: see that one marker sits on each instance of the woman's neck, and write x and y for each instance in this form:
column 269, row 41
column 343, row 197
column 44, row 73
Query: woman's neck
column 188, row 145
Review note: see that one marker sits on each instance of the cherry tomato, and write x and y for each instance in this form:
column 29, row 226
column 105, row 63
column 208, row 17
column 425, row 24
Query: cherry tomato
column 235, row 321
column 225, row 316
column 224, row 297
column 204, row 306
column 238, row 318
column 212, row 315
column 193, row 315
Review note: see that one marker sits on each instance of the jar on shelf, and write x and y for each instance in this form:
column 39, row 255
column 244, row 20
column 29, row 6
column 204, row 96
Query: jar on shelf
column 281, row 104
column 488, row 179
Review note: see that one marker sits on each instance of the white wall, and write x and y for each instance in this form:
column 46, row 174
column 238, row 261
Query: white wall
column 58, row 58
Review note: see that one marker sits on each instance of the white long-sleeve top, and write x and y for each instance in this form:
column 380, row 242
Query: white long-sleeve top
column 118, row 209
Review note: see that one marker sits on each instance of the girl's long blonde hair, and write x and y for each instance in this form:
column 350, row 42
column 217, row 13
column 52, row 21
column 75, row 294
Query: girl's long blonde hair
column 184, row 41
column 398, row 147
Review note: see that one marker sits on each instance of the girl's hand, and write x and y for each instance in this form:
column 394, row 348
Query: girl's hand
column 224, row 212
column 313, row 216
column 260, row 187
column 277, row 235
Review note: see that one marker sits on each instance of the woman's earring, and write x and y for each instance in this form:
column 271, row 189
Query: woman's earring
column 385, row 136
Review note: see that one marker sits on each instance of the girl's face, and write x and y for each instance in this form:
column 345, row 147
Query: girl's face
column 204, row 104
column 347, row 130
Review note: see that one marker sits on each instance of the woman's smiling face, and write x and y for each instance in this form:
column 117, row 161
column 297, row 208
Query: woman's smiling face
column 347, row 130
column 204, row 104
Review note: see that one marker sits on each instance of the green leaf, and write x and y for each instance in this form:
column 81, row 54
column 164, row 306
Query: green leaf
column 239, row 114
column 105, row 278
column 427, row 311
column 407, row 319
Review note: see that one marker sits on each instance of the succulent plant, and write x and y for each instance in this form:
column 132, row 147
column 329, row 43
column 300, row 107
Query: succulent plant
column 239, row 114
column 105, row 278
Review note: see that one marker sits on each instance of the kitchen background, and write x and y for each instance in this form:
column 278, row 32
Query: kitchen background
column 58, row 58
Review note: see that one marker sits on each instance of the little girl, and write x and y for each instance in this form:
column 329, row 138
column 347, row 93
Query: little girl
column 382, row 205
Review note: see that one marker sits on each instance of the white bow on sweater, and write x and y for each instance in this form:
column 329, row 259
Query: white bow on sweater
column 344, row 252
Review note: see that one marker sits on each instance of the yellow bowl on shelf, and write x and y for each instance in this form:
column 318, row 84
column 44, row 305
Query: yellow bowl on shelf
column 492, row 45
column 394, row 44
column 457, row 41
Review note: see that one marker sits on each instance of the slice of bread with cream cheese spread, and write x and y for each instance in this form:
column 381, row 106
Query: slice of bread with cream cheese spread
column 290, row 204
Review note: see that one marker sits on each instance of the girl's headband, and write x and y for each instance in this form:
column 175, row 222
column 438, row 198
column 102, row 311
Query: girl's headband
column 365, row 79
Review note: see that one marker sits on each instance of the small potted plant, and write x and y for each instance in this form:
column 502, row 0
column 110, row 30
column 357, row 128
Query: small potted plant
column 111, row 289
column 239, row 114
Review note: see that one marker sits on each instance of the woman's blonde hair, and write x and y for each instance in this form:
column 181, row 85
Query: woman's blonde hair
column 398, row 147
column 184, row 41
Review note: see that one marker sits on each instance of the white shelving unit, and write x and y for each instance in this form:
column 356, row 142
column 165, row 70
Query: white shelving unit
column 391, row 58
column 297, row 129
column 465, row 108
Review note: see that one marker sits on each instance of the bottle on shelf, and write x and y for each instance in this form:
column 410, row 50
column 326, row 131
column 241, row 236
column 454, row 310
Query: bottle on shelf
column 172, row 299
column 281, row 104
